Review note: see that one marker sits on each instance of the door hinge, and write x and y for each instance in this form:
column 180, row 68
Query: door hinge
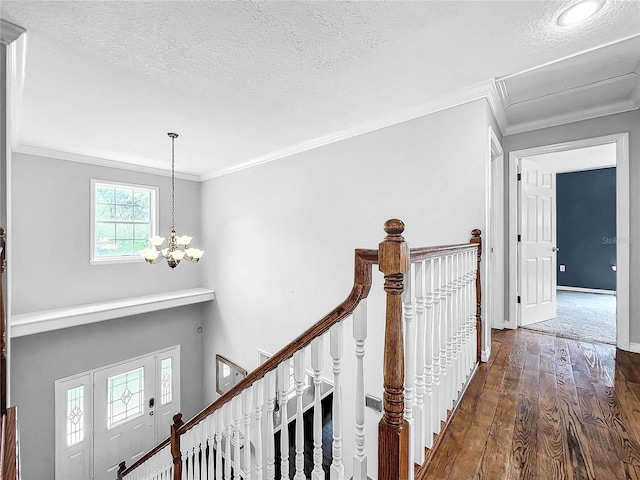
column 519, row 177
column 519, row 299
column 519, row 237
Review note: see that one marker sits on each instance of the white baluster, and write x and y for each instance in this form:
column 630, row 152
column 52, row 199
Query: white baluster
column 419, row 407
column 444, row 321
column 435, row 337
column 199, row 436
column 451, row 383
column 284, row 383
column 219, row 429
column 228, row 420
column 258, row 402
column 236, row 405
column 270, row 394
column 457, row 351
column 474, row 308
column 298, row 376
column 429, row 397
column 409, row 365
column 185, row 453
column 316, row 364
column 211, row 435
column 246, row 413
column 336, row 347
column 471, row 300
column 360, row 335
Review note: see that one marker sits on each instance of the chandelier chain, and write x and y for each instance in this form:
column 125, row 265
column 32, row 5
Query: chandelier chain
column 173, row 184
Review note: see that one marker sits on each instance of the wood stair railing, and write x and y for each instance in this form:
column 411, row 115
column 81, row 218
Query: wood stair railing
column 446, row 306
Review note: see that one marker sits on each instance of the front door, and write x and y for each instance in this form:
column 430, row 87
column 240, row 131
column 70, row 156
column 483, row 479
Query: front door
column 537, row 289
column 123, row 403
column 114, row 414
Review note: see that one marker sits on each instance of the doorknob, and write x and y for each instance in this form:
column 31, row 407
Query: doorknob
column 555, row 249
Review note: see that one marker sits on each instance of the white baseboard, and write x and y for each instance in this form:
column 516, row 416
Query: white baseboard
column 586, row 290
column 484, row 355
column 634, row 347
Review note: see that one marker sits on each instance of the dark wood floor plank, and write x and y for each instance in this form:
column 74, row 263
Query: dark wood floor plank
column 546, row 408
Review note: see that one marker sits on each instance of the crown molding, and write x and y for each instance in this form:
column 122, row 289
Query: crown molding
column 9, row 32
column 486, row 90
column 101, row 162
column 586, row 114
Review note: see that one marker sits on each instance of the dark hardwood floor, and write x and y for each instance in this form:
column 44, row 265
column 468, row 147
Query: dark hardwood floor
column 546, row 408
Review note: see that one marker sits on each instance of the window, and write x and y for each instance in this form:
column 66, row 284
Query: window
column 123, row 218
column 166, row 381
column 75, row 415
column 125, row 396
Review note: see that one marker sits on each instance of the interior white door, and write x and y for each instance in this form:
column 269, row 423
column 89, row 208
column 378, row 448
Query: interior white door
column 537, row 266
column 124, row 408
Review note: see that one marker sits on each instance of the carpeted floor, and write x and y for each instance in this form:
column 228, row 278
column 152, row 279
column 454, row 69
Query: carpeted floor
column 584, row 316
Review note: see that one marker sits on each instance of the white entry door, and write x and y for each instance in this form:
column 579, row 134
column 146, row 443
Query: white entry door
column 537, row 276
column 123, row 414
column 114, row 414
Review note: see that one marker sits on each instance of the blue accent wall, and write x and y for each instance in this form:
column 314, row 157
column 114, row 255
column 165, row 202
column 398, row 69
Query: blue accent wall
column 586, row 228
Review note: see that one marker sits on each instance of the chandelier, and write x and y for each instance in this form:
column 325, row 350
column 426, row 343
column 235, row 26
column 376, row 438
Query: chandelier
column 177, row 248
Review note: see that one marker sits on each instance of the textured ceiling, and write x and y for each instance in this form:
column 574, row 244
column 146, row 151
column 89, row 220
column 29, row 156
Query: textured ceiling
column 240, row 80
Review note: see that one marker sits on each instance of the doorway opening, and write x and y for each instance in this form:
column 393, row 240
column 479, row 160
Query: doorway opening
column 534, row 260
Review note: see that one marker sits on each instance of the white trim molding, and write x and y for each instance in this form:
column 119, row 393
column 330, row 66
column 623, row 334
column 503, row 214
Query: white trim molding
column 585, row 290
column 101, row 162
column 48, row 320
column 634, row 347
column 486, row 90
column 9, row 32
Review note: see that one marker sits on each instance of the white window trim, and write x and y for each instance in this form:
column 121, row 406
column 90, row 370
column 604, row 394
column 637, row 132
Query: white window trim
column 93, row 260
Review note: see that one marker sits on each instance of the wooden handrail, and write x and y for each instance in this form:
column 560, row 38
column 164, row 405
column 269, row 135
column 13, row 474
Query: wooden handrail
column 361, row 287
column 423, row 253
column 364, row 258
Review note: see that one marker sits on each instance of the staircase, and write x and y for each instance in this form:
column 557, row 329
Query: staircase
column 430, row 353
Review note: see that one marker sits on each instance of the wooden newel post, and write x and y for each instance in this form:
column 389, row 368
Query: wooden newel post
column 175, row 446
column 476, row 238
column 393, row 430
column 122, row 466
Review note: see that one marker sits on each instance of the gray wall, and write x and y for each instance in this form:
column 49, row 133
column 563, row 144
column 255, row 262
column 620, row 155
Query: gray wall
column 50, row 269
column 622, row 122
column 37, row 361
column 51, row 216
column 586, row 219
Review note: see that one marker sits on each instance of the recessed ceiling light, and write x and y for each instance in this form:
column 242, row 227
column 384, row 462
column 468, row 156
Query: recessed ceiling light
column 579, row 12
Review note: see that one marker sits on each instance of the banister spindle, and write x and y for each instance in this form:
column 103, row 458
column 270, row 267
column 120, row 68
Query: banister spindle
column 418, row 407
column 236, row 403
column 246, row 414
column 336, row 348
column 409, row 363
column 298, row 376
column 258, row 402
column 360, row 335
column 270, row 393
column 444, row 329
column 228, row 420
column 219, row 430
column 175, row 446
column 476, row 237
column 211, row 435
column 284, row 382
column 393, row 430
column 438, row 401
column 429, row 397
column 316, row 364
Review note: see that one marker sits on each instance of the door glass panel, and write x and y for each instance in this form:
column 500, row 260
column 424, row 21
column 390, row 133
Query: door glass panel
column 125, row 396
column 75, row 415
column 166, row 381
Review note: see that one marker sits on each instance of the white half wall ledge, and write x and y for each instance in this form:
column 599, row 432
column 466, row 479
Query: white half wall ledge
column 47, row 320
